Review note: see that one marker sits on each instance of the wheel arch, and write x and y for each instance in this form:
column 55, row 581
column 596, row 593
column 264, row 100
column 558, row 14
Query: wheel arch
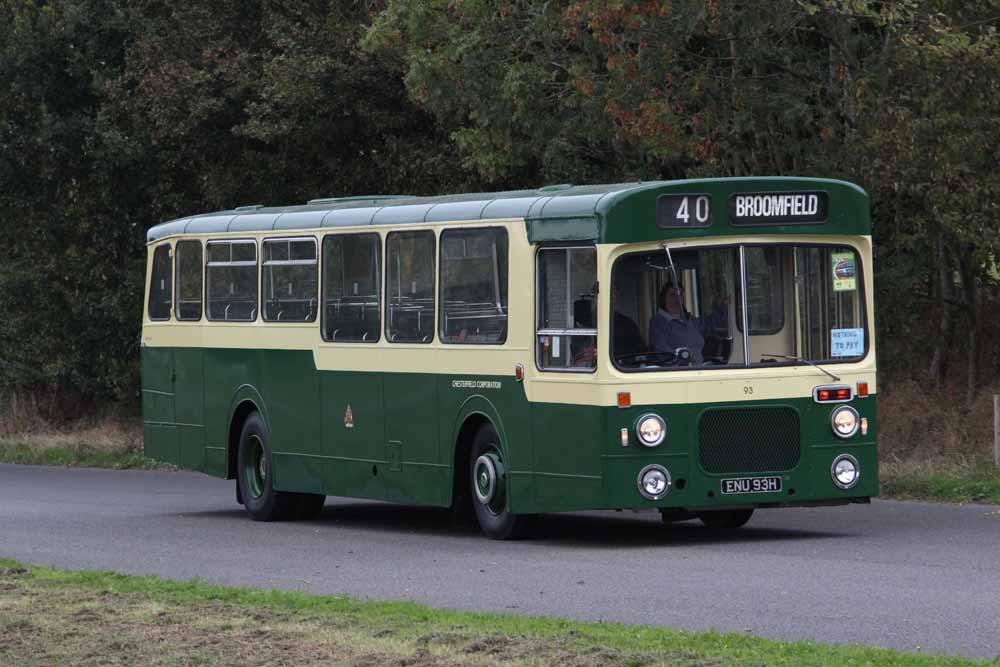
column 246, row 401
column 474, row 413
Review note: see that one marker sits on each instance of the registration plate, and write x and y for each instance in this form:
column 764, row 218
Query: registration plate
column 751, row 485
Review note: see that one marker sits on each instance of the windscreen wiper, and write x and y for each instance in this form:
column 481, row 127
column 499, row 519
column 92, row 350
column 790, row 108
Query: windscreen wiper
column 805, row 361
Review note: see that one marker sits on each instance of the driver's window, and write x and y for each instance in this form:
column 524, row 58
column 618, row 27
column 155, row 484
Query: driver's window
column 676, row 311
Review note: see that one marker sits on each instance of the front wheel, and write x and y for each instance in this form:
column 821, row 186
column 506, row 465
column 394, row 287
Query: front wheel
column 725, row 519
column 253, row 470
column 488, row 476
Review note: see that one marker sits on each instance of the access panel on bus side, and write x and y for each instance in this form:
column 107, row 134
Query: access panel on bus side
column 353, row 433
column 189, row 413
column 415, row 471
column 289, row 385
column 158, row 429
column 568, row 463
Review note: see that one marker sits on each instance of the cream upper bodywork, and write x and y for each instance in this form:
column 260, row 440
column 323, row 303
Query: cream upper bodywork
column 600, row 387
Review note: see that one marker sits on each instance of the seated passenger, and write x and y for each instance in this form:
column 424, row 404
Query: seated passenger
column 672, row 328
column 627, row 338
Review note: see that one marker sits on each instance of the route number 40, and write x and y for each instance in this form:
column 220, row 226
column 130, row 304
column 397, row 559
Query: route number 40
column 673, row 211
column 702, row 208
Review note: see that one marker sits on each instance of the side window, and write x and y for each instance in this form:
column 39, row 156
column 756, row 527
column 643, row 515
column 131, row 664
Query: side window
column 160, row 284
column 409, row 286
column 473, row 286
column 290, row 280
column 566, row 330
column 189, row 280
column 352, row 287
column 231, row 272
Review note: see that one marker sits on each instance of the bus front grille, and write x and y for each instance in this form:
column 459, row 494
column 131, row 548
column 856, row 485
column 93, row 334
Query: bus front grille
column 739, row 440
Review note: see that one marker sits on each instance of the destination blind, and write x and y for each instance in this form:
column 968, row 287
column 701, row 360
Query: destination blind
column 778, row 208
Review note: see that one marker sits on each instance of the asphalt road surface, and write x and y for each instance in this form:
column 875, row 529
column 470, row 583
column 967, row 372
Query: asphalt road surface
column 912, row 576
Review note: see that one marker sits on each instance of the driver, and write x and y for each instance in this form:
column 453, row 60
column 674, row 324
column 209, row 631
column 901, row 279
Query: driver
column 672, row 328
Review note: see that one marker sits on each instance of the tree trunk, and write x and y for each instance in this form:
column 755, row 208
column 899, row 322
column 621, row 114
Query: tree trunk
column 939, row 357
column 970, row 288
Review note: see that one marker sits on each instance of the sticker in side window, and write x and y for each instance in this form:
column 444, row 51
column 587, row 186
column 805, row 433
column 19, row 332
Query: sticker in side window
column 847, row 342
column 845, row 273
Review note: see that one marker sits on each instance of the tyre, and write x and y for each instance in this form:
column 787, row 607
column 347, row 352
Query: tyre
column 488, row 477
column 308, row 506
column 673, row 516
column 725, row 519
column 253, row 470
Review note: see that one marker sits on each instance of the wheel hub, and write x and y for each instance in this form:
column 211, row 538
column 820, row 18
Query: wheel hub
column 486, row 478
column 255, row 468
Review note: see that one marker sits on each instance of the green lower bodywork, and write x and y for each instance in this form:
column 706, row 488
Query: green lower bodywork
column 399, row 441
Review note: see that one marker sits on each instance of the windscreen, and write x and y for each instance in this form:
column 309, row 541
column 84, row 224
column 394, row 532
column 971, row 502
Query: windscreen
column 687, row 308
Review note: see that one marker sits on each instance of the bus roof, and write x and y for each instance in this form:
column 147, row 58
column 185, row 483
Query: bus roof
column 616, row 213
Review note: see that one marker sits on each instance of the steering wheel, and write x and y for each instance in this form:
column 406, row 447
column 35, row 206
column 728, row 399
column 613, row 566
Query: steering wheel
column 650, row 358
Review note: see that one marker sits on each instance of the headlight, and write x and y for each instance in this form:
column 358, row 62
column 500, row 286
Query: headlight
column 845, row 421
column 651, row 430
column 845, row 471
column 654, row 482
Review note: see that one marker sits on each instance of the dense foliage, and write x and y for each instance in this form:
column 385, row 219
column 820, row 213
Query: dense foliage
column 115, row 116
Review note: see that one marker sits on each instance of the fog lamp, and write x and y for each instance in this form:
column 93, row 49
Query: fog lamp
column 654, row 482
column 845, row 471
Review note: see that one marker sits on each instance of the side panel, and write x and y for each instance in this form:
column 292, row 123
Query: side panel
column 416, row 470
column 567, row 464
column 353, row 433
column 189, row 411
column 158, row 429
column 289, row 385
column 228, row 374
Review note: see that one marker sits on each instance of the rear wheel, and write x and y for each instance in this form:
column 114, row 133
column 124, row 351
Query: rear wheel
column 488, row 477
column 725, row 519
column 253, row 466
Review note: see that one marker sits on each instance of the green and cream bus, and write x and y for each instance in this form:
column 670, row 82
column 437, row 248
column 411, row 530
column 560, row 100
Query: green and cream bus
column 700, row 347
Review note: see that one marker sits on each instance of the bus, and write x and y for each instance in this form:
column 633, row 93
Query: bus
column 704, row 348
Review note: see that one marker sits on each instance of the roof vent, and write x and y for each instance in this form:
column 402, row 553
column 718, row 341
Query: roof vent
column 556, row 188
column 341, row 200
column 250, row 208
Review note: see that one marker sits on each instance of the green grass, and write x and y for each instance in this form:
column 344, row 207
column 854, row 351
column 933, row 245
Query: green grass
column 977, row 487
column 49, row 616
column 78, row 455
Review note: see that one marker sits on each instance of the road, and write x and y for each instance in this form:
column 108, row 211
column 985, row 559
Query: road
column 912, row 576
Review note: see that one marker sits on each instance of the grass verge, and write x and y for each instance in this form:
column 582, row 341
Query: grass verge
column 80, row 455
column 974, row 487
column 86, row 618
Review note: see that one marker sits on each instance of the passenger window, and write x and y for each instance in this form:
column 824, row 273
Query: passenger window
column 410, row 287
column 290, row 280
column 160, row 284
column 189, row 280
column 566, row 330
column 351, row 287
column 473, row 286
column 232, row 281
